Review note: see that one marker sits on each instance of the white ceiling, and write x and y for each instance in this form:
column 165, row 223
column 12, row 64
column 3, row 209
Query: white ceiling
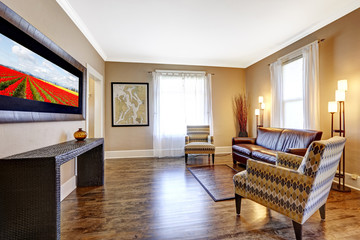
column 226, row 33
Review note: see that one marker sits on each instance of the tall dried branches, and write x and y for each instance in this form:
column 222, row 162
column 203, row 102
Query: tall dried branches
column 240, row 110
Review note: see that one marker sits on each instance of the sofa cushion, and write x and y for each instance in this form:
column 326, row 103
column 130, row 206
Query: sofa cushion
column 246, row 148
column 268, row 137
column 265, row 155
column 292, row 138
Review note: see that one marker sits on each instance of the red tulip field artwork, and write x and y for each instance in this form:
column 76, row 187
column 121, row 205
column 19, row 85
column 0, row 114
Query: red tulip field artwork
column 27, row 75
column 20, row 85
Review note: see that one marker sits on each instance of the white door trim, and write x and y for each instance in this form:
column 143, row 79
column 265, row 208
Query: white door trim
column 98, row 77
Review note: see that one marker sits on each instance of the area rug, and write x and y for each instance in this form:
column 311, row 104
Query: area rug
column 217, row 180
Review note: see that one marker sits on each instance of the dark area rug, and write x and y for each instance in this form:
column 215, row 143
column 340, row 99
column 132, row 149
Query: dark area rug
column 217, row 180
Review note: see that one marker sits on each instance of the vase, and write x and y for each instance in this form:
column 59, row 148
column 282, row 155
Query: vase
column 243, row 134
column 80, row 134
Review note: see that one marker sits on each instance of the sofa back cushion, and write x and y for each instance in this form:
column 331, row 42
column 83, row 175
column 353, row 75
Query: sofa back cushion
column 268, row 137
column 293, row 138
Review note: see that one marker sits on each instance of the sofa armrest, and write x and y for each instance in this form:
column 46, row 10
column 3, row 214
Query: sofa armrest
column 187, row 139
column 288, row 160
column 297, row 151
column 239, row 140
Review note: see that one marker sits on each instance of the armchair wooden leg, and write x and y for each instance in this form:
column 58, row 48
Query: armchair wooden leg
column 322, row 212
column 213, row 158
column 238, row 203
column 209, row 157
column 186, row 158
column 298, row 230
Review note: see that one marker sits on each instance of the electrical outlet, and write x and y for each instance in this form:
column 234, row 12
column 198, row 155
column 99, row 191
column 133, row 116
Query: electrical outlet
column 354, row 176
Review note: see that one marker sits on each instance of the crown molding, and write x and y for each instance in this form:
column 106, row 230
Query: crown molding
column 69, row 10
column 339, row 14
column 66, row 6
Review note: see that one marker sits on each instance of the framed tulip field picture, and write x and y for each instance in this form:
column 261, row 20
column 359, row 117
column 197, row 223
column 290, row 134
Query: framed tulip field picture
column 38, row 80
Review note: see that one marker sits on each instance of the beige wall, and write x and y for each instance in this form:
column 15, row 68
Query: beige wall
column 339, row 55
column 51, row 20
column 225, row 84
column 339, row 59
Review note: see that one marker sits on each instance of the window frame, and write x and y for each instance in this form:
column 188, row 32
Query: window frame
column 284, row 61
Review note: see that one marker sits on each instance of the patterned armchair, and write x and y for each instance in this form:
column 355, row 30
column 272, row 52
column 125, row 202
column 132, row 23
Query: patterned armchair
column 296, row 186
column 199, row 141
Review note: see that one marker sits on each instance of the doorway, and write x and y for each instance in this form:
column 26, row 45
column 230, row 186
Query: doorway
column 95, row 104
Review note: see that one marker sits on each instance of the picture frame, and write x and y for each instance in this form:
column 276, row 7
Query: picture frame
column 129, row 104
column 53, row 107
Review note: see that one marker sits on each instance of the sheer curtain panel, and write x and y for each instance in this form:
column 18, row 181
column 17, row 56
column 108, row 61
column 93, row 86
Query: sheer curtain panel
column 276, row 94
column 180, row 99
column 311, row 84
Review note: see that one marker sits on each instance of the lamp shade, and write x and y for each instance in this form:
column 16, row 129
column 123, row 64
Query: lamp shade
column 257, row 112
column 332, row 107
column 261, row 99
column 262, row 106
column 342, row 85
column 340, row 95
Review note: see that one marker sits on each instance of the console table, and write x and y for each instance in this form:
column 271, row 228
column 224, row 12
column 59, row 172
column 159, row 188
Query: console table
column 30, row 186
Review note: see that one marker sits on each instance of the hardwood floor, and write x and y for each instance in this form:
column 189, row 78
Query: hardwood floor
column 160, row 199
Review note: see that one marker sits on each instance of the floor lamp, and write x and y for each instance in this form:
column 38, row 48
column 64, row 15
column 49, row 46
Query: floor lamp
column 332, row 108
column 257, row 115
column 261, row 111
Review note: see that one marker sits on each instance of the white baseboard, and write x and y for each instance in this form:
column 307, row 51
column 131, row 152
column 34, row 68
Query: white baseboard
column 349, row 182
column 149, row 153
column 67, row 187
column 129, row 154
column 223, row 150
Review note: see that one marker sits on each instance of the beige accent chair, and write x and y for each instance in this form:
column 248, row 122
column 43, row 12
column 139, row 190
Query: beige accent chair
column 199, row 141
column 296, row 186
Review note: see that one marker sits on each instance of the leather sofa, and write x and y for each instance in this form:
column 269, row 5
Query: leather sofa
column 269, row 141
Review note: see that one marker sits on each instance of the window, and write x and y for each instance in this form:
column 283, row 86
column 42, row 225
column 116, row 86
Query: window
column 182, row 102
column 292, row 97
column 295, row 89
column 180, row 99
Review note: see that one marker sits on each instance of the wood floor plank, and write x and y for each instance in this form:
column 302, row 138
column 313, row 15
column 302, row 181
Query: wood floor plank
column 148, row 198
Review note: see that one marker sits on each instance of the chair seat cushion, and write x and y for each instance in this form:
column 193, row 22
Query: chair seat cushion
column 199, row 147
column 246, row 148
column 265, row 155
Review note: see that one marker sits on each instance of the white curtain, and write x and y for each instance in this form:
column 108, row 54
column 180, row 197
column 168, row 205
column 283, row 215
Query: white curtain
column 311, row 86
column 276, row 94
column 208, row 103
column 180, row 99
column 311, row 95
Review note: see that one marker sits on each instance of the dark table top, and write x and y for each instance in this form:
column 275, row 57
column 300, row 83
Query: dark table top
column 68, row 149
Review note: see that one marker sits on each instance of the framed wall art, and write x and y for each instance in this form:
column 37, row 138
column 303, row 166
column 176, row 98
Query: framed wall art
column 39, row 81
column 129, row 104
